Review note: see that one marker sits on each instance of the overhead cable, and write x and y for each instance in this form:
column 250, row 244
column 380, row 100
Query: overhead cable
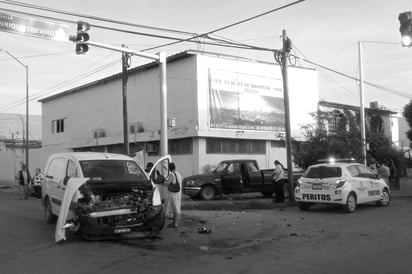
column 22, row 4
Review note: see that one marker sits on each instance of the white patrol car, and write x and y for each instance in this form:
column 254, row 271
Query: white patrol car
column 343, row 183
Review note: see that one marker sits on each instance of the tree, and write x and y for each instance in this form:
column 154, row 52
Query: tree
column 407, row 114
column 343, row 142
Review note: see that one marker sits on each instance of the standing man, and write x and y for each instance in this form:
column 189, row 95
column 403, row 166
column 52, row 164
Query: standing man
column 384, row 172
column 23, row 178
column 278, row 182
column 174, row 197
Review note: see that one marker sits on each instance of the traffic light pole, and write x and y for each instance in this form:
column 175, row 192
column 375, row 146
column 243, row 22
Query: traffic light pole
column 161, row 58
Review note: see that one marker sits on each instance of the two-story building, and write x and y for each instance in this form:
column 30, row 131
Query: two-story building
column 218, row 107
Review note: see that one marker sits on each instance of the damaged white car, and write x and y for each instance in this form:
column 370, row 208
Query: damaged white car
column 102, row 196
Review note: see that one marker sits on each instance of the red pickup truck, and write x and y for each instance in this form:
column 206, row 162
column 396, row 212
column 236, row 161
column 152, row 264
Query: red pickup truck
column 231, row 176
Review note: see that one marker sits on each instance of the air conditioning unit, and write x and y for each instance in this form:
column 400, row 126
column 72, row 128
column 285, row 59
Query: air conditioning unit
column 132, row 128
column 136, row 127
column 98, row 133
column 374, row 104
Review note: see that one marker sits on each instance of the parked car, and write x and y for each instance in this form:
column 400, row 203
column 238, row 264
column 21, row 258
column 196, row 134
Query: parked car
column 346, row 184
column 231, row 176
column 101, row 195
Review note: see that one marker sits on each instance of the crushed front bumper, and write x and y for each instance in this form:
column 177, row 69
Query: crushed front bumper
column 121, row 223
column 191, row 190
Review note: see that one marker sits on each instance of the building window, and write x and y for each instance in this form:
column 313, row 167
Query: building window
column 181, row 146
column 334, row 120
column 58, row 126
column 234, row 146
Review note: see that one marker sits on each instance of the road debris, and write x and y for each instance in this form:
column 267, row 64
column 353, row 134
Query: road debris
column 204, row 230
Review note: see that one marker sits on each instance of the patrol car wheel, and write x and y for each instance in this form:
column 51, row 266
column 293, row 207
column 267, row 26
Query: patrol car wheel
column 207, row 192
column 385, row 198
column 350, row 205
column 304, row 206
column 49, row 217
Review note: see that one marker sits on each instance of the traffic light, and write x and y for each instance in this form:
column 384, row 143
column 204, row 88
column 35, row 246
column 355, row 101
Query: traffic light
column 81, row 37
column 405, row 19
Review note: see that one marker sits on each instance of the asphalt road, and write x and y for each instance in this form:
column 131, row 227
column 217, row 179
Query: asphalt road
column 243, row 239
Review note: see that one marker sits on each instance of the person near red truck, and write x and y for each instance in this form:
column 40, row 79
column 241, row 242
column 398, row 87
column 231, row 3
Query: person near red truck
column 278, row 182
column 174, row 196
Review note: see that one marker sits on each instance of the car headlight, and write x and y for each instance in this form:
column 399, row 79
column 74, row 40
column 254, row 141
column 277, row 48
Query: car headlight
column 299, row 184
column 189, row 183
column 340, row 183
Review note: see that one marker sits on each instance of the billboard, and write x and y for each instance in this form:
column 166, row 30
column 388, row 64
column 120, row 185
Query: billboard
column 243, row 101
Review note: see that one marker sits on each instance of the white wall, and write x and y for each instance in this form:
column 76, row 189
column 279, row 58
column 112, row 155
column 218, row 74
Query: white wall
column 187, row 101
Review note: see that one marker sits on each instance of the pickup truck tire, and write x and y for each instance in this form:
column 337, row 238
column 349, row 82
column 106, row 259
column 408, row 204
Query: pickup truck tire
column 49, row 217
column 207, row 192
column 267, row 193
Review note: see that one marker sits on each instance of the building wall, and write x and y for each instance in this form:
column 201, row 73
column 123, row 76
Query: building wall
column 188, row 89
column 100, row 107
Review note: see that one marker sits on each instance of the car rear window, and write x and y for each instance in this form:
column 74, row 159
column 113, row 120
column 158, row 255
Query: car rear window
column 323, row 172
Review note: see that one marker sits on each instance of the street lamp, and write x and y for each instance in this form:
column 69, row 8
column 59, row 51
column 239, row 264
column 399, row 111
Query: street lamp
column 27, row 104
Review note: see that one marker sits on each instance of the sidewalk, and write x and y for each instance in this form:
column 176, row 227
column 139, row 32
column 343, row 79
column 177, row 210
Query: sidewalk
column 403, row 189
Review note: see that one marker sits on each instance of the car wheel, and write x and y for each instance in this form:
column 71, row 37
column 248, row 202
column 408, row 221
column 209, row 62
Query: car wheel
column 304, row 206
column 350, row 205
column 49, row 217
column 267, row 193
column 207, row 192
column 88, row 237
column 385, row 198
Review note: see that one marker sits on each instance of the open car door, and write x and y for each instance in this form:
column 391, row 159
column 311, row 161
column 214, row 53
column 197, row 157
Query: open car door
column 161, row 166
column 232, row 178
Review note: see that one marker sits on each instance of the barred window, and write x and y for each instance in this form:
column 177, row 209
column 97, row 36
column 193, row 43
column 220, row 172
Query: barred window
column 235, row 146
column 58, row 126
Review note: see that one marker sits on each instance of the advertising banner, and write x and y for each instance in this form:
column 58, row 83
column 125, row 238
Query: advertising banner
column 245, row 102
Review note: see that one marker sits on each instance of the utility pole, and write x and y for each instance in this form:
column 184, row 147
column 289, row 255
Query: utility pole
column 362, row 106
column 27, row 106
column 125, row 65
column 282, row 58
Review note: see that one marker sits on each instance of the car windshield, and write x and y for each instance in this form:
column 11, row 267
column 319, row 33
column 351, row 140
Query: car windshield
column 220, row 167
column 323, row 172
column 100, row 170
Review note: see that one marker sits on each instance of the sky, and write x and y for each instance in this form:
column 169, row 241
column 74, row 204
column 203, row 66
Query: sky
column 324, row 32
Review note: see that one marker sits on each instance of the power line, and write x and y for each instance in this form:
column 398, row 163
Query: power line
column 57, row 86
column 176, row 39
column 35, row 56
column 254, row 17
column 328, row 78
column 396, row 92
column 228, row 26
column 37, row 7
